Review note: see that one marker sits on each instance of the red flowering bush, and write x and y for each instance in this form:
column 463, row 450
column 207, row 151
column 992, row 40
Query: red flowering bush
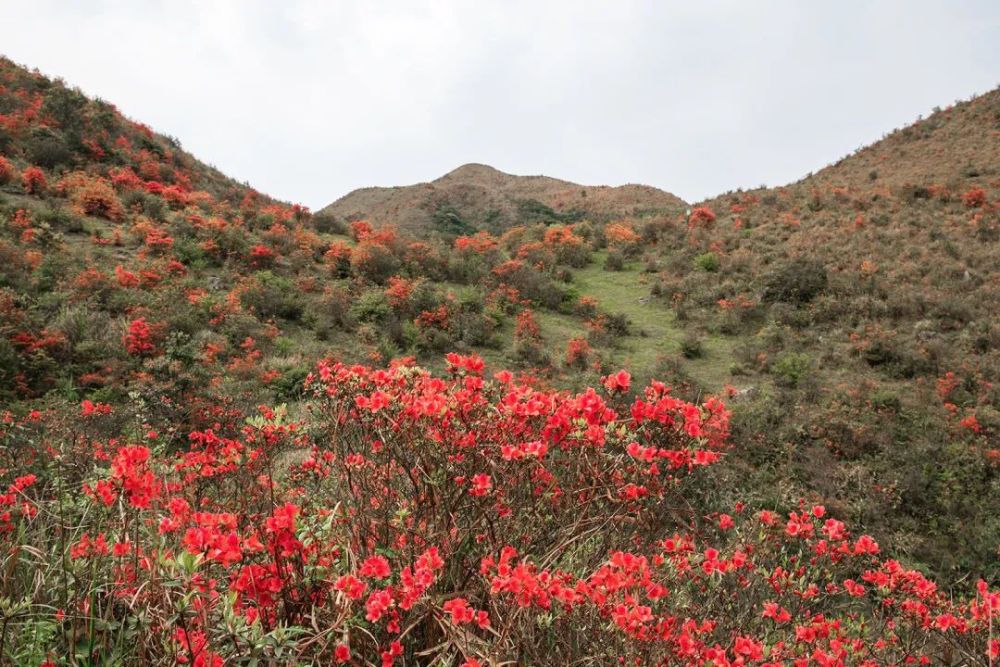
column 527, row 326
column 139, row 339
column 415, row 518
column 125, row 179
column 701, row 216
column 621, row 236
column 577, row 353
column 33, row 181
column 7, row 171
column 338, row 258
column 92, row 196
column 479, row 243
column 399, row 291
column 360, row 230
column 373, row 261
column 974, row 198
column 568, row 247
column 262, row 257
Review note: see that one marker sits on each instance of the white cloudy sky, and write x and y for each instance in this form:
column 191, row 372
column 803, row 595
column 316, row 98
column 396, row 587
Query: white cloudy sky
column 307, row 100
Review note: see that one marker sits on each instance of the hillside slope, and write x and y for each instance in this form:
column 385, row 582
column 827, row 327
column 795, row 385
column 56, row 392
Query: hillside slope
column 850, row 317
column 484, row 198
column 861, row 305
column 949, row 147
column 219, row 443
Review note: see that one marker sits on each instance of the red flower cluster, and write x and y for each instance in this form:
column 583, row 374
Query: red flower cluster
column 139, row 339
column 416, row 513
column 33, row 181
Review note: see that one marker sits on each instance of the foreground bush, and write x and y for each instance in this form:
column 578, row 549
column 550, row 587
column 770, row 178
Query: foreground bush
column 412, row 518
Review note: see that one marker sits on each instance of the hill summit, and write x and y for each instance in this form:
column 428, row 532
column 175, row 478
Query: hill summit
column 477, row 196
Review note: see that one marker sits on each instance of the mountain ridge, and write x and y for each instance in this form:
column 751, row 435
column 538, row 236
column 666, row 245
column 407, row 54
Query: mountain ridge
column 475, row 189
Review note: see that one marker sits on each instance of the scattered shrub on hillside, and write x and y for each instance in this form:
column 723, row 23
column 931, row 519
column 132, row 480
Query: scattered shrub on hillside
column 371, row 307
column 701, row 216
column 449, row 221
column 532, row 353
column 327, row 223
column 473, row 329
column 139, row 341
column 577, row 353
column 708, row 262
column 62, row 220
column 974, row 198
column 530, row 284
column 331, row 312
column 33, row 181
column 791, row 369
column 527, row 328
column 47, row 149
column 270, row 296
column 617, row 324
column 7, row 172
column 798, row 282
column 614, row 261
column 92, row 196
column 621, row 237
column 373, row 261
column 262, row 257
column 569, row 248
column 692, row 347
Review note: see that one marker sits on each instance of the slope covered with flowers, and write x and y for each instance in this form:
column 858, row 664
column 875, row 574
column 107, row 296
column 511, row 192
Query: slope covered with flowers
column 411, row 518
column 155, row 513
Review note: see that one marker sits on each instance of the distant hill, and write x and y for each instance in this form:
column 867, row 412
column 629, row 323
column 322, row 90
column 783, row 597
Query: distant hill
column 476, row 196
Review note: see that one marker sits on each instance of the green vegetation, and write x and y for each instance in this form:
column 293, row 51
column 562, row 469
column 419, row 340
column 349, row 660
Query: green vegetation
column 851, row 321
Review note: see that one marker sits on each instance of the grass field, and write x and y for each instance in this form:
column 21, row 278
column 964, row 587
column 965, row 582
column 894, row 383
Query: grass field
column 655, row 333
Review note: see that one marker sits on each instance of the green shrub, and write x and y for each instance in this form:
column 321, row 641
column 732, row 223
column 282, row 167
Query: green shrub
column 190, row 253
column 62, row 220
column 796, row 282
column 371, row 307
column 691, row 346
column 327, row 223
column 47, row 149
column 474, row 329
column 150, row 205
column 791, row 369
column 707, row 262
column 617, row 324
column 615, row 261
column 532, row 353
column 275, row 296
column 290, row 386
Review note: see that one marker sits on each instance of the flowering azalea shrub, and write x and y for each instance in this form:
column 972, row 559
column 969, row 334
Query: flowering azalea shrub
column 92, row 196
column 33, row 181
column 621, row 236
column 410, row 518
column 7, row 172
column 701, row 216
column 139, row 339
column 974, row 197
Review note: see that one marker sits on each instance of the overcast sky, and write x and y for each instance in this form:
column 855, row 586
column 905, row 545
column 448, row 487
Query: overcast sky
column 309, row 100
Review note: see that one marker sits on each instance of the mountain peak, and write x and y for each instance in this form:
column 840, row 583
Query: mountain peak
column 473, row 171
column 480, row 192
